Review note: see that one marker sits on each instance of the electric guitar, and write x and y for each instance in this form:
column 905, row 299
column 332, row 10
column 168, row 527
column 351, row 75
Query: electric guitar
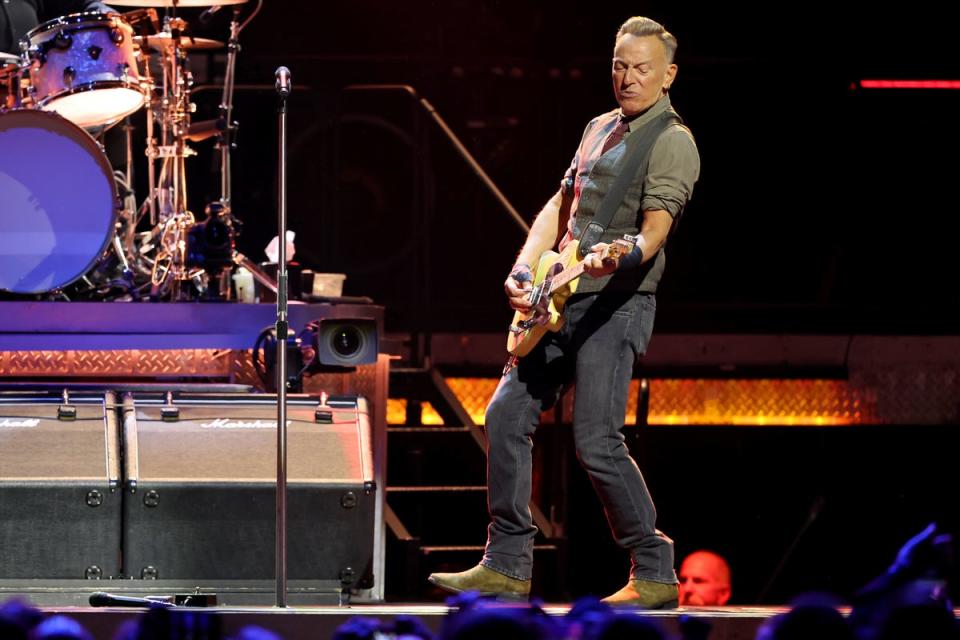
column 554, row 281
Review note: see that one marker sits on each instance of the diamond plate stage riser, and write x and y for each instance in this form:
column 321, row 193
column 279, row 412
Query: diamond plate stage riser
column 922, row 394
column 235, row 366
column 127, row 364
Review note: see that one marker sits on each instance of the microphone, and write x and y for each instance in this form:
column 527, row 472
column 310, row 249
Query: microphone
column 207, row 15
column 283, row 82
column 104, row 599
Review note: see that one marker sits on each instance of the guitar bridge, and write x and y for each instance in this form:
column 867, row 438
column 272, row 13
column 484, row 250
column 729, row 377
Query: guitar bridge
column 524, row 325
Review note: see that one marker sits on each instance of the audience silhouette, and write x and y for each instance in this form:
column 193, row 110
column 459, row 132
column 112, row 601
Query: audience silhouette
column 908, row 601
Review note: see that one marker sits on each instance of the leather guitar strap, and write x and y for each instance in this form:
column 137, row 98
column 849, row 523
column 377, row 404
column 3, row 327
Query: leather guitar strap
column 637, row 154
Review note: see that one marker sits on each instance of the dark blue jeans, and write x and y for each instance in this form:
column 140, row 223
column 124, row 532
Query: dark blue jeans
column 602, row 337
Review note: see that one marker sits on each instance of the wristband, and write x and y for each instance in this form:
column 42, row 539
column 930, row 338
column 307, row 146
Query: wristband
column 521, row 272
column 632, row 260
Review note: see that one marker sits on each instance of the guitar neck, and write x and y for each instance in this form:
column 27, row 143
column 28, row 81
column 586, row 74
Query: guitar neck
column 571, row 273
column 566, row 276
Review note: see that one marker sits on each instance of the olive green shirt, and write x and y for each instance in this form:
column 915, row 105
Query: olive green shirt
column 672, row 171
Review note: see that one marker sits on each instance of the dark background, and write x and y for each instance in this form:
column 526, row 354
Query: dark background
column 821, row 208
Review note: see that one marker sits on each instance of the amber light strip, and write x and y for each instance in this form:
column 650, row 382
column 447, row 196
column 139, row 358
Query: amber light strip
column 757, row 402
column 702, row 402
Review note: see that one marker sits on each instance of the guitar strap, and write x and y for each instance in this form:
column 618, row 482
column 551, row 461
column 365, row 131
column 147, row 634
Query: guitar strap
column 637, row 154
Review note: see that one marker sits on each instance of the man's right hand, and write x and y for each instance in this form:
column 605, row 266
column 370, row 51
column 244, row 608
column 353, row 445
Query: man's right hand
column 518, row 285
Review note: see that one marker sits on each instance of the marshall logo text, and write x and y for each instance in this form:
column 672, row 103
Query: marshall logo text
column 19, row 422
column 224, row 423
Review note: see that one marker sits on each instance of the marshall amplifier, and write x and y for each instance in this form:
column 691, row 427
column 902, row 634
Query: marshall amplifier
column 60, row 491
column 200, row 491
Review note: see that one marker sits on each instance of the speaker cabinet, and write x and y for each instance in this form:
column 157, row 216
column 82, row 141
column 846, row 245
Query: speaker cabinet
column 60, row 494
column 200, row 485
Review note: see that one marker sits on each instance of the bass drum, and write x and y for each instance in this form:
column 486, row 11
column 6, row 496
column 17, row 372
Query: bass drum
column 58, row 202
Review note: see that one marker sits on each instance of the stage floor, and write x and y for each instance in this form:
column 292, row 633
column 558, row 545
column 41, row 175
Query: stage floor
column 728, row 623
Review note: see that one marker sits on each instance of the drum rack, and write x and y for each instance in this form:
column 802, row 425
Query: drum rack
column 93, row 70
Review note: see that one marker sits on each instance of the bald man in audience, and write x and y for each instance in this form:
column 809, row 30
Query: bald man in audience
column 704, row 580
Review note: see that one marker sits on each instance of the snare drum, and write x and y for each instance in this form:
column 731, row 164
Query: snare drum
column 84, row 67
column 58, row 202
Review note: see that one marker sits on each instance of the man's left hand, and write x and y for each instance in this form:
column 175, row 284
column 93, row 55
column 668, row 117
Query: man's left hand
column 597, row 263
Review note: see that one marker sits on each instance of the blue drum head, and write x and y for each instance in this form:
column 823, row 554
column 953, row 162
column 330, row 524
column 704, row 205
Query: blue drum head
column 58, row 202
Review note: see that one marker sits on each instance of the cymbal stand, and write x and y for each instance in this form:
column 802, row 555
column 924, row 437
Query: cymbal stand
column 225, row 139
column 151, row 142
column 124, row 240
column 225, row 142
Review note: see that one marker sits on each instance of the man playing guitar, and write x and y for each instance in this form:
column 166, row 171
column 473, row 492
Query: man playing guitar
column 606, row 325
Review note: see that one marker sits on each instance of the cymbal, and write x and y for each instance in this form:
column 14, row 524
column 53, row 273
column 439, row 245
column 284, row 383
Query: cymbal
column 165, row 40
column 173, row 3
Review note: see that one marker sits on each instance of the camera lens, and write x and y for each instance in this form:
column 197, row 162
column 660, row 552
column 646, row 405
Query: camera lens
column 346, row 341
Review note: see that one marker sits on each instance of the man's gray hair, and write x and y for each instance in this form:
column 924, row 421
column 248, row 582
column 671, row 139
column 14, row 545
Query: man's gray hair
column 641, row 26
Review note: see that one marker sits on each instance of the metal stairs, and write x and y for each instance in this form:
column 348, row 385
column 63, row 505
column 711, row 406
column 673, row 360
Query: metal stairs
column 436, row 513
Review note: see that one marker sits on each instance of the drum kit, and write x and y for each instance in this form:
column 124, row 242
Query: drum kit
column 70, row 224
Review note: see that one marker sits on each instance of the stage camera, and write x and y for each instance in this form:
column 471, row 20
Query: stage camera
column 345, row 342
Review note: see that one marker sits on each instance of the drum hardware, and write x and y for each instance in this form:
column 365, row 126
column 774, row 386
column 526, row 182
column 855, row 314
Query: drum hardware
column 227, row 132
column 173, row 4
column 164, row 41
column 143, row 21
column 93, row 70
column 170, row 268
column 185, row 250
column 9, row 81
column 205, row 129
column 168, row 198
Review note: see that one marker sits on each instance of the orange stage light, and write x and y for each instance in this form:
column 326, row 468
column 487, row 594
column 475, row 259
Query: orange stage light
column 779, row 402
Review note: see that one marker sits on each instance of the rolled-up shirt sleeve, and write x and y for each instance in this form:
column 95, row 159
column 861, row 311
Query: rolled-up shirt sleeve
column 674, row 168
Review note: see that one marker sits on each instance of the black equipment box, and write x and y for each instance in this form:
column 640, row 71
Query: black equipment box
column 60, row 494
column 200, row 490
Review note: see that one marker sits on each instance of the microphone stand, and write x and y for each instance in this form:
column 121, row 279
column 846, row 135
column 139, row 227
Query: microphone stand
column 283, row 90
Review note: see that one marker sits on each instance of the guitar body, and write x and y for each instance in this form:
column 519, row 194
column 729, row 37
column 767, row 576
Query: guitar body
column 554, row 281
column 547, row 313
